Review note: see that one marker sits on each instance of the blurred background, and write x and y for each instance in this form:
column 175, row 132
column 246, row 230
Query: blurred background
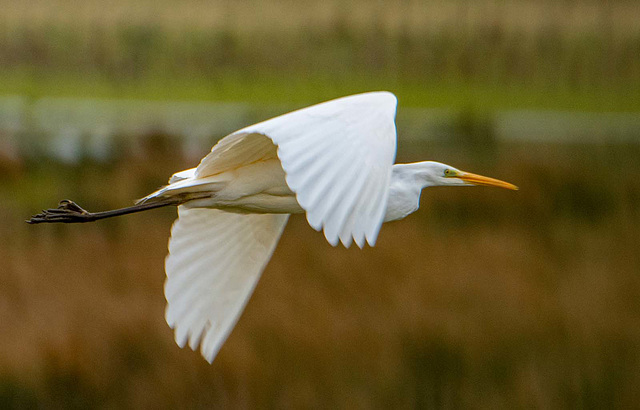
column 484, row 298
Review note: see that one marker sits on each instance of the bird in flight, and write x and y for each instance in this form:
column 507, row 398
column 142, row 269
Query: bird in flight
column 333, row 161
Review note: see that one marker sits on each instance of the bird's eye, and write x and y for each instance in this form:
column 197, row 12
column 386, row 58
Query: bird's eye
column 448, row 172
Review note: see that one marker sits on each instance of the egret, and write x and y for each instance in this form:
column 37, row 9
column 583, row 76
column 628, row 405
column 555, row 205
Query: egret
column 333, row 161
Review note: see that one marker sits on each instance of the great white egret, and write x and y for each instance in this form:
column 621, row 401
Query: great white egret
column 333, row 161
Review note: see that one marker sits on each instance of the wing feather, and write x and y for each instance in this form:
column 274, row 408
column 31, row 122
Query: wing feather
column 337, row 218
column 215, row 260
column 234, row 151
column 327, row 196
column 337, row 157
column 332, row 195
column 369, row 191
column 354, row 134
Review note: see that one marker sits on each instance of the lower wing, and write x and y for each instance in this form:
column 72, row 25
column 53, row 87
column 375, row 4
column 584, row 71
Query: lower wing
column 215, row 260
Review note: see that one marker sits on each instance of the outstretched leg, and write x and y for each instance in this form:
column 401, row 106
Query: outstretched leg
column 70, row 212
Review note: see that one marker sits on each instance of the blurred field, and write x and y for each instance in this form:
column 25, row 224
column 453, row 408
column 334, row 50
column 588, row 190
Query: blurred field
column 482, row 299
column 576, row 55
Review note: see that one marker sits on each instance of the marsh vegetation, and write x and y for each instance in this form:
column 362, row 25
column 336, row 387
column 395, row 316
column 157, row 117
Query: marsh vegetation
column 482, row 299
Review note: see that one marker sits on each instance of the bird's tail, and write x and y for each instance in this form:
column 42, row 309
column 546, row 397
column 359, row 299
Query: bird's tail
column 185, row 189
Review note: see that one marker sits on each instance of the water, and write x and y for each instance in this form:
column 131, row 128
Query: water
column 68, row 129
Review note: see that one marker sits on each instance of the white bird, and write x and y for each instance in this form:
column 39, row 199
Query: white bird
column 333, row 161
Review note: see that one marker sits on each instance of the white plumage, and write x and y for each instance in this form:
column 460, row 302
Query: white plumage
column 332, row 161
column 214, row 262
column 337, row 159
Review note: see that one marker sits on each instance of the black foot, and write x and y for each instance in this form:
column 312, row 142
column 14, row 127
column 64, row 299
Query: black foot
column 66, row 212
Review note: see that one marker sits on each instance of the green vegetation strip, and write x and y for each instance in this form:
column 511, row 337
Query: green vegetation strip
column 297, row 88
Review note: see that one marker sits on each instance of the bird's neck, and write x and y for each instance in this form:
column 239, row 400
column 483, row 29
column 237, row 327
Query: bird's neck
column 404, row 193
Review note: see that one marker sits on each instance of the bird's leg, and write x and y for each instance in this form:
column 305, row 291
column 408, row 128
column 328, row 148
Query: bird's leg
column 70, row 212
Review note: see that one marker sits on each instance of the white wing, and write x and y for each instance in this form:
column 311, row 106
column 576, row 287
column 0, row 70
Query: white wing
column 215, row 260
column 337, row 157
column 182, row 175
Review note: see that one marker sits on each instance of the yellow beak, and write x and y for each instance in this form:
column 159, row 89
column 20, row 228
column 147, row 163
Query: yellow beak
column 482, row 180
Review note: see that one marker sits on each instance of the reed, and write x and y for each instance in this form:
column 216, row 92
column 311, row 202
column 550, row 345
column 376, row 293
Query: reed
column 581, row 47
column 481, row 299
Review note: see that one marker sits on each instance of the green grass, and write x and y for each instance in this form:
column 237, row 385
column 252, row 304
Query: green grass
column 472, row 55
column 294, row 88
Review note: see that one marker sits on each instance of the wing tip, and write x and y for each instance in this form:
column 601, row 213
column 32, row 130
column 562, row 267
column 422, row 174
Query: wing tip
column 346, row 242
column 209, row 357
column 386, row 97
column 333, row 241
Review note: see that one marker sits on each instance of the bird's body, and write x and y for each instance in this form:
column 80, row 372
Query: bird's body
column 259, row 187
column 332, row 161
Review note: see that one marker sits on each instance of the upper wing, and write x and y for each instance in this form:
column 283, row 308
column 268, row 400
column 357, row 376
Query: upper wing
column 215, row 260
column 337, row 157
column 182, row 175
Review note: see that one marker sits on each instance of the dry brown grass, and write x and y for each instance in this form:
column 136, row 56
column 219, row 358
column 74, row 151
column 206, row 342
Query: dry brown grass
column 483, row 299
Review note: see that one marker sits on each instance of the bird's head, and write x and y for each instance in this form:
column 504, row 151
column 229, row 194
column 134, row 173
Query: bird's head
column 432, row 173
